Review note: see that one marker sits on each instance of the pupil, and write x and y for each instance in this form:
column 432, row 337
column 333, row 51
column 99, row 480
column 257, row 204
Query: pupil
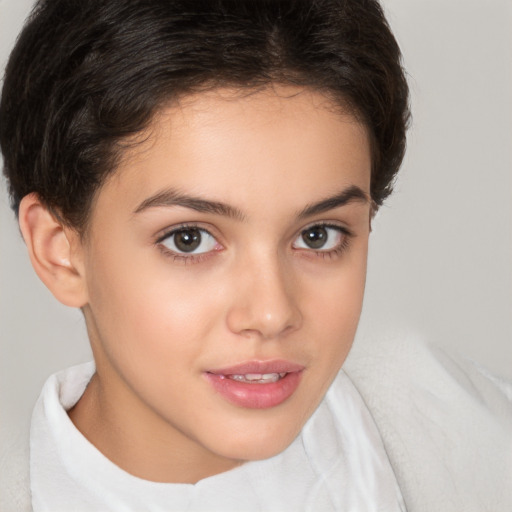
column 187, row 240
column 315, row 237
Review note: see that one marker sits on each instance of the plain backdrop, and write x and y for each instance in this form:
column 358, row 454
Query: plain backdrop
column 441, row 248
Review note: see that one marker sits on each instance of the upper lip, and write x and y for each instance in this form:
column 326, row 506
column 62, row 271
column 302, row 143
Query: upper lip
column 260, row 367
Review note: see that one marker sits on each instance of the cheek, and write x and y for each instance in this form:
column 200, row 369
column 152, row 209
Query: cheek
column 336, row 305
column 144, row 311
column 151, row 331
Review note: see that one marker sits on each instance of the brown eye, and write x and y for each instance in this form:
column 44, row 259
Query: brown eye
column 320, row 238
column 315, row 237
column 189, row 240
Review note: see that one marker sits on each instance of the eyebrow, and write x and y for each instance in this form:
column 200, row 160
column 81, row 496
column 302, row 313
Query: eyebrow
column 346, row 196
column 171, row 197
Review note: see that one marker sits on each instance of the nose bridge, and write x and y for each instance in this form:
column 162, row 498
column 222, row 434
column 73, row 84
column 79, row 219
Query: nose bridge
column 266, row 303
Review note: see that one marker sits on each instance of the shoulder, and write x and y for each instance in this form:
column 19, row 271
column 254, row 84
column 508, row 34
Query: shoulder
column 446, row 424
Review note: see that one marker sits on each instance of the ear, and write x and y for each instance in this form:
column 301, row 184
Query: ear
column 55, row 251
column 374, row 208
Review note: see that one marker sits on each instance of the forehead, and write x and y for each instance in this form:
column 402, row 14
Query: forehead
column 239, row 147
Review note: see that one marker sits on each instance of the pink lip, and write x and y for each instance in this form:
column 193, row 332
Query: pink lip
column 256, row 396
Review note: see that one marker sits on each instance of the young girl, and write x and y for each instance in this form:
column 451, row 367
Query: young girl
column 199, row 178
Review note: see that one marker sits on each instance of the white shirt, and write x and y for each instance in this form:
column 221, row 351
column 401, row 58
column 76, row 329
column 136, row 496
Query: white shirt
column 337, row 463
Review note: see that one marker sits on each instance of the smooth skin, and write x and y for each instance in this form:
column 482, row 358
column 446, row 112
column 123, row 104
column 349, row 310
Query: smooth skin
column 273, row 272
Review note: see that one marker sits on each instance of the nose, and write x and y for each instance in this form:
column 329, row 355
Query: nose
column 266, row 302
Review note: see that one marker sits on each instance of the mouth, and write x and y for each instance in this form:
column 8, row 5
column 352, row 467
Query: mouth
column 256, row 384
column 258, row 378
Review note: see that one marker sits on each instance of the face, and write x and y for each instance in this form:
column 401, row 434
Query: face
column 225, row 265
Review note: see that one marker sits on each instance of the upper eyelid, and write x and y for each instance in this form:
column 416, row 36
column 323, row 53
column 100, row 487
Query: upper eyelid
column 327, row 224
column 167, row 232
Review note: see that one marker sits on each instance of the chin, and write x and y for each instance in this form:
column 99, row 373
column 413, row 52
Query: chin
column 256, row 451
column 258, row 443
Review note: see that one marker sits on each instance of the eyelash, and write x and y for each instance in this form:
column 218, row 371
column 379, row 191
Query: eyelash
column 197, row 258
column 332, row 253
column 179, row 257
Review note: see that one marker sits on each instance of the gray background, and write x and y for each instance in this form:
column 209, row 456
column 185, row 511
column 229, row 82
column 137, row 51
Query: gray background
column 441, row 249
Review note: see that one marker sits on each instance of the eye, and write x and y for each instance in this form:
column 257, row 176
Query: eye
column 320, row 238
column 189, row 240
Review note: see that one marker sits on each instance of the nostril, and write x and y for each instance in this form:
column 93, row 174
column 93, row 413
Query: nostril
column 266, row 303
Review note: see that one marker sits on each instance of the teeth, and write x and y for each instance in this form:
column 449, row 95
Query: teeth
column 262, row 378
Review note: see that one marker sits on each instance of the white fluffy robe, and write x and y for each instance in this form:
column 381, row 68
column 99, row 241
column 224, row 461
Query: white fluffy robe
column 446, row 426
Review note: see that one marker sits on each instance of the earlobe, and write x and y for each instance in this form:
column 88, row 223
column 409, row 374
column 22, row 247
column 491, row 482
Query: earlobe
column 54, row 251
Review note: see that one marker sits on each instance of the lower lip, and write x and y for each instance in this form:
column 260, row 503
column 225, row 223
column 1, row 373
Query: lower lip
column 255, row 396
